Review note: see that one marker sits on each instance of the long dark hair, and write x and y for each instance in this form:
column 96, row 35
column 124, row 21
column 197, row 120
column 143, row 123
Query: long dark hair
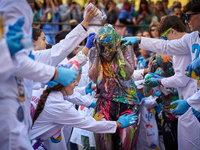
column 43, row 98
column 147, row 7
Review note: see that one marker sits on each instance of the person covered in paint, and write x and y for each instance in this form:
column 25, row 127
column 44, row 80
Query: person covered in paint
column 111, row 67
column 52, row 109
column 161, row 66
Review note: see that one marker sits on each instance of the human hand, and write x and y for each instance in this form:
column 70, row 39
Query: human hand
column 143, row 61
column 130, row 40
column 126, row 120
column 152, row 82
column 66, row 76
column 90, row 41
column 90, row 14
column 88, row 88
column 195, row 66
column 182, row 107
column 47, row 10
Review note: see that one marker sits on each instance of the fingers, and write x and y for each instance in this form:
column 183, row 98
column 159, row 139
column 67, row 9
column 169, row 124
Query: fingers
column 18, row 37
column 124, row 40
column 19, row 22
column 172, row 103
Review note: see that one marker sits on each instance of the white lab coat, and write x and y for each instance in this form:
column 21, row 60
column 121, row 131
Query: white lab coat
column 15, row 134
column 5, row 58
column 53, row 117
column 182, row 49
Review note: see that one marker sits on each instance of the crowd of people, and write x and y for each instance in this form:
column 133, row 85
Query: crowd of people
column 124, row 13
column 128, row 88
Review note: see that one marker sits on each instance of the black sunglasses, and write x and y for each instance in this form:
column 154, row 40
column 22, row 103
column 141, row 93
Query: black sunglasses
column 187, row 16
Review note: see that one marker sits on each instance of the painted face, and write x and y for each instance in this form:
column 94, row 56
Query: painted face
column 107, row 42
column 41, row 43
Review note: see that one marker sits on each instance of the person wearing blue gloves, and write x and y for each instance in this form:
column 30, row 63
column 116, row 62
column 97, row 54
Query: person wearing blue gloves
column 183, row 54
column 16, row 91
column 55, row 115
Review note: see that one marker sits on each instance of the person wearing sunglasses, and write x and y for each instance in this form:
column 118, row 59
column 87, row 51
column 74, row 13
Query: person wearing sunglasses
column 182, row 46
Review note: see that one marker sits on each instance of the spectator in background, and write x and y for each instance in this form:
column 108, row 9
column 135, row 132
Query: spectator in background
column 111, row 11
column 176, row 11
column 159, row 11
column 126, row 18
column 165, row 5
column 121, row 3
column 36, row 14
column 151, row 6
column 49, row 13
column 69, row 11
column 153, row 28
column 176, row 3
column 143, row 16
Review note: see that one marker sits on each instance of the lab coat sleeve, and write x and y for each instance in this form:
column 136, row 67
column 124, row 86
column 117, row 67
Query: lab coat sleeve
column 32, row 70
column 6, row 61
column 179, row 79
column 78, row 99
column 72, row 118
column 62, row 49
column 194, row 101
column 138, row 74
column 172, row 47
column 80, row 90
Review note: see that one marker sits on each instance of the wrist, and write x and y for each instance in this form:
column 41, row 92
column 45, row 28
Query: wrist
column 56, row 74
column 118, row 124
column 85, row 23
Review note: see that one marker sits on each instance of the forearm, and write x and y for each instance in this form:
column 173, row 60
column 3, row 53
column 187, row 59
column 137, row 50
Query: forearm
column 53, row 7
column 43, row 19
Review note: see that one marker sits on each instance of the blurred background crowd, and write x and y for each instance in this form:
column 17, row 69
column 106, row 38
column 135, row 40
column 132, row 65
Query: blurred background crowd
column 128, row 17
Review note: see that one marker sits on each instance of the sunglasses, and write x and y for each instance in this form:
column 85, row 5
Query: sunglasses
column 187, row 16
column 163, row 36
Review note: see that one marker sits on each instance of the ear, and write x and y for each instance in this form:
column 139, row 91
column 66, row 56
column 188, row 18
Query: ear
column 173, row 31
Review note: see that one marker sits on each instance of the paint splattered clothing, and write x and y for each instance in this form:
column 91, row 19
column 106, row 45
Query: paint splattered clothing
column 111, row 67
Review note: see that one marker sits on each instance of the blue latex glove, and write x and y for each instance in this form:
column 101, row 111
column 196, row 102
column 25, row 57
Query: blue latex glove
column 143, row 61
column 130, row 40
column 16, row 28
column 156, row 76
column 158, row 108
column 158, row 93
column 182, row 107
column 126, row 120
column 152, row 82
column 90, row 40
column 52, row 83
column 93, row 104
column 66, row 76
column 196, row 113
column 14, row 35
column 88, row 88
column 14, row 44
column 194, row 65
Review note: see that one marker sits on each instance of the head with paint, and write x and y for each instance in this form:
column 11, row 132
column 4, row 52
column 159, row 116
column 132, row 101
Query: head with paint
column 65, row 90
column 107, row 42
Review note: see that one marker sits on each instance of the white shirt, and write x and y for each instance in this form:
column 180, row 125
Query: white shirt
column 179, row 47
column 58, row 112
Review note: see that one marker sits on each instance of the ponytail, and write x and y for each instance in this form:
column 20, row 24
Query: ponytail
column 43, row 98
column 41, row 103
